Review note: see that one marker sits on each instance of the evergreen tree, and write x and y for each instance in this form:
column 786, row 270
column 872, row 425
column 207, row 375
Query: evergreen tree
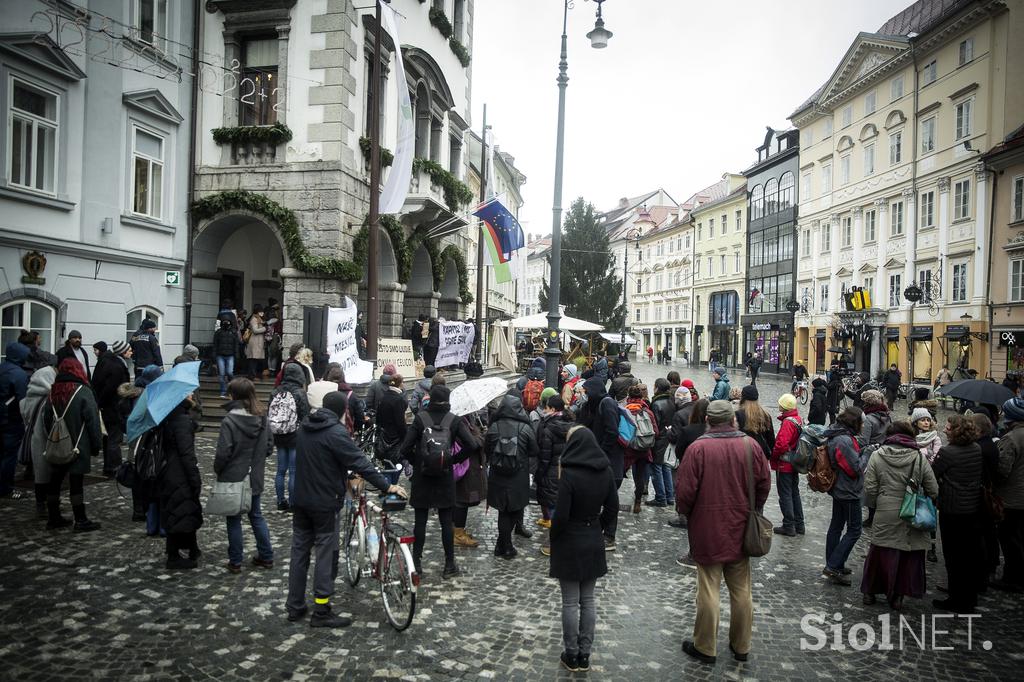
column 591, row 289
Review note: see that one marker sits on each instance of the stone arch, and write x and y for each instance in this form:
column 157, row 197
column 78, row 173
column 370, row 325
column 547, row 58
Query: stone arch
column 448, row 306
column 845, row 142
column 868, row 131
column 392, row 292
column 895, row 118
column 420, row 296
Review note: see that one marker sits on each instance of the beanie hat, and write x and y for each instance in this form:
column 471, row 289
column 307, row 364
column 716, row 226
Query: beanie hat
column 390, row 368
column 1013, row 409
column 872, row 397
column 74, row 334
column 919, row 413
column 687, row 382
column 571, row 371
column 149, row 375
column 190, row 351
column 547, row 393
column 787, row 401
column 440, row 395
column 429, row 371
column 750, row 393
column 101, row 346
column 720, row 412
column 336, row 402
column 147, row 324
column 624, row 366
column 556, row 403
column 120, row 347
column 682, row 396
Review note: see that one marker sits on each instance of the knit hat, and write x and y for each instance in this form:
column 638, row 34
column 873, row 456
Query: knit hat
column 429, row 371
column 682, row 396
column 74, row 334
column 547, row 393
column 440, row 395
column 919, row 413
column 720, row 412
column 147, row 324
column 149, row 375
column 336, row 402
column 120, row 347
column 787, row 401
column 571, row 371
column 624, row 367
column 101, row 346
column 872, row 397
column 1013, row 409
column 556, row 403
column 687, row 382
column 390, row 368
column 190, row 351
column 750, row 393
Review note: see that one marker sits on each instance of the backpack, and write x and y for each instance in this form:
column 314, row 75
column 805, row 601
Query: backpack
column 531, row 394
column 821, row 477
column 644, row 431
column 800, row 457
column 59, row 450
column 435, row 446
column 505, row 458
column 148, row 455
column 283, row 414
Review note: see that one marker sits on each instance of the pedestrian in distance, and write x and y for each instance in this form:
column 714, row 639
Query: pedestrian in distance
column 891, row 381
column 713, row 493
column 178, row 486
column 146, row 347
column 754, row 365
column 663, row 406
column 600, row 368
column 112, row 370
column 431, row 344
column 799, row 374
column 819, row 402
column 722, row 388
column 833, row 395
column 922, row 398
column 587, row 502
column 293, row 352
column 391, row 425
column 650, row 355
column 256, row 344
column 376, row 390
column 225, row 347
column 895, row 562
column 754, row 421
column 13, row 389
column 422, row 389
column 72, row 348
column 848, row 463
column 326, row 455
column 787, row 480
column 289, row 407
column 927, row 437
column 510, row 445
column 1010, row 487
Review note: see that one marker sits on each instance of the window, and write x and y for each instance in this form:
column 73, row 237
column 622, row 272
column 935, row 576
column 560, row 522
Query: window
column 805, row 186
column 826, row 178
column 28, row 314
column 847, row 115
column 721, row 264
column 869, row 284
column 895, row 148
column 711, row 227
column 805, row 243
column 870, row 225
column 711, row 266
column 869, row 159
column 896, row 214
column 757, row 203
column 929, row 73
column 928, row 135
column 963, row 118
column 725, row 223
column 32, row 120
column 696, row 268
column 962, row 199
column 700, row 232
column 844, row 170
column 786, row 184
column 826, row 238
column 927, row 208
column 151, row 22
column 257, row 84
column 148, row 169
column 896, row 88
column 657, row 283
column 1017, row 209
column 771, row 196
column 847, row 231
column 738, row 264
column 823, row 301
column 687, row 241
column 869, row 103
column 959, row 292
column 808, row 137
column 1017, row 279
column 966, row 53
column 894, row 290
column 637, row 314
column 828, row 127
column 924, row 280
column 739, row 220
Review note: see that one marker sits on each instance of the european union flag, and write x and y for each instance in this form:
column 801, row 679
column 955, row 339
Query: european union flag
column 506, row 228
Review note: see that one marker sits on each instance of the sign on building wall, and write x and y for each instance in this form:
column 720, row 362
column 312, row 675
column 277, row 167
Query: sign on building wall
column 454, row 343
column 172, row 278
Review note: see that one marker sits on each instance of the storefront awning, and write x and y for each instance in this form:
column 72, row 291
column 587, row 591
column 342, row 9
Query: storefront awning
column 892, row 332
column 617, row 338
column 955, row 331
column 921, row 332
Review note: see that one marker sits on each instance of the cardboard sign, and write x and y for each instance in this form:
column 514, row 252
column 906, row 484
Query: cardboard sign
column 398, row 352
column 341, row 343
column 455, row 342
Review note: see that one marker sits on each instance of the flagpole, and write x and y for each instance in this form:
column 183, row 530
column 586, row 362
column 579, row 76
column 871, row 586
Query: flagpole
column 373, row 246
column 481, row 270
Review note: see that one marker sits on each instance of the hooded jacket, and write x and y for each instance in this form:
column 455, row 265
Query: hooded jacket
column 1010, row 475
column 422, row 389
column 959, row 470
column 179, row 482
column 37, row 399
column 294, row 382
column 243, row 446
column 145, row 349
column 885, row 482
column 225, row 342
column 622, row 382
column 82, row 416
column 786, row 440
column 376, row 390
column 13, row 384
column 588, row 503
column 721, row 391
column 848, row 461
column 819, row 403
column 601, row 415
column 510, row 493
column 111, row 371
column 876, row 420
column 551, row 437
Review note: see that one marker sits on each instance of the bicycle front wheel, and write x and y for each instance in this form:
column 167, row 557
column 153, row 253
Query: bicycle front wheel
column 397, row 591
column 803, row 396
column 355, row 546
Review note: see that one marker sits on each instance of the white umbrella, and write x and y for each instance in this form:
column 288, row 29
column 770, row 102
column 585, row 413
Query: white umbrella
column 473, row 396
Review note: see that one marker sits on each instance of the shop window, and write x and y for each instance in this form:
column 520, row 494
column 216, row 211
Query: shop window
column 892, row 352
column 31, row 315
column 923, row 360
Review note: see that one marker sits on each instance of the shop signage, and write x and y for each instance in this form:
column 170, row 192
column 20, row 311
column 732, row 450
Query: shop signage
column 761, row 326
column 921, row 332
column 892, row 332
column 955, row 331
column 820, row 334
column 1010, row 338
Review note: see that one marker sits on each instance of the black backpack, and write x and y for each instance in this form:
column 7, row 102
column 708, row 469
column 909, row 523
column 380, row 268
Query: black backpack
column 148, row 455
column 435, row 446
column 505, row 457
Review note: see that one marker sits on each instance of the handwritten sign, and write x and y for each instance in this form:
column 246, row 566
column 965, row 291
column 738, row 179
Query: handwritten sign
column 341, row 343
column 455, row 341
column 397, row 352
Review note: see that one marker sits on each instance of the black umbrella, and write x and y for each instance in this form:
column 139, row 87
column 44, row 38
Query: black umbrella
column 977, row 391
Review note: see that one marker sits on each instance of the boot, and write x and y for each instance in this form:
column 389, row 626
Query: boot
column 636, row 506
column 463, row 540
column 522, row 531
column 53, row 512
column 82, row 522
column 323, row 618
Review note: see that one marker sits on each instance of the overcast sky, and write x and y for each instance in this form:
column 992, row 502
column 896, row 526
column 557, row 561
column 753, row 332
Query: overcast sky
column 682, row 93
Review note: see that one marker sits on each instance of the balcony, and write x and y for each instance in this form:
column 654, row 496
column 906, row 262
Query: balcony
column 436, row 198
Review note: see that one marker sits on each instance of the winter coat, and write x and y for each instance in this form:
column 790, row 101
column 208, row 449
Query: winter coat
column 111, row 371
column 891, row 380
column 875, row 423
column 601, row 415
column 721, row 391
column 789, row 436
column 587, row 504
column 416, row 399
column 225, row 342
column 127, row 394
column 66, row 351
column 989, row 458
column 621, row 385
column 435, row 492
column 929, row 443
column 376, row 390
column 847, row 460
column 713, row 493
column 834, row 392
column 931, row 405
column 471, row 489
column 243, row 446
column 13, row 384
column 293, row 382
column 256, row 347
column 601, row 372
column 551, row 439
column 325, row 454
column 82, row 417
column 885, row 482
column 765, row 438
column 145, row 349
column 819, row 405
column 510, row 493
column 179, row 483
column 32, row 405
column 1010, row 477
column 683, row 435
column 391, row 426
column 664, row 408
column 959, row 470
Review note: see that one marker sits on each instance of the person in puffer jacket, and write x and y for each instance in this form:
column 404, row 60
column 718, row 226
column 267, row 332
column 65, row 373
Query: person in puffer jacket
column 551, row 436
column 422, row 389
column 844, row 453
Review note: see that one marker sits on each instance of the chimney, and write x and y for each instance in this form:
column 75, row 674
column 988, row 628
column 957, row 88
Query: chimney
column 623, row 202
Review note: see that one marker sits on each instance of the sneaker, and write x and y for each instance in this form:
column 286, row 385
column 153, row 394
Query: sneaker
column 223, row 396
column 323, row 618
column 687, row 561
column 609, row 544
column 545, row 550
column 297, row 615
column 782, row 530
column 583, row 662
column 85, row 526
column 451, row 572
column 690, row 650
column 233, row 568
column 570, row 662
column 655, row 503
column 262, row 563
column 282, row 505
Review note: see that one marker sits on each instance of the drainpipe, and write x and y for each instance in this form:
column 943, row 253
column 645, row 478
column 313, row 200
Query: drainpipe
column 988, row 276
column 192, row 139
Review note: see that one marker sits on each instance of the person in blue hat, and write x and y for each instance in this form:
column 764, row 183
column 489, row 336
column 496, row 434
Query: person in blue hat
column 13, row 387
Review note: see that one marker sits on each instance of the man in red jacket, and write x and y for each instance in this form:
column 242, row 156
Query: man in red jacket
column 713, row 496
column 787, row 480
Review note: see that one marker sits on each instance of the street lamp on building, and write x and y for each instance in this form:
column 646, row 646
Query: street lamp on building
column 914, row 294
column 598, row 39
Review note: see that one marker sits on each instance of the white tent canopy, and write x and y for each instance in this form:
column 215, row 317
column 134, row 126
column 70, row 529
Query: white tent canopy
column 617, row 338
column 540, row 321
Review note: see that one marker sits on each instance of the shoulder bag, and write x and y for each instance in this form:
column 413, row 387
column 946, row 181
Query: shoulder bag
column 757, row 537
column 917, row 509
column 232, row 498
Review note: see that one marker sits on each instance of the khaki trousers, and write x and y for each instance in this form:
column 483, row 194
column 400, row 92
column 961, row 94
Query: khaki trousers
column 741, row 606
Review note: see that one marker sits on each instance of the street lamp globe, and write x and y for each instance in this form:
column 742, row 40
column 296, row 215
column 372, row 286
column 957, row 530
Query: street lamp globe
column 600, row 35
column 793, row 306
column 913, row 293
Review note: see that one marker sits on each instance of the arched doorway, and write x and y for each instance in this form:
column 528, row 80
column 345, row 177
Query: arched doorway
column 448, row 306
column 420, row 297
column 391, row 291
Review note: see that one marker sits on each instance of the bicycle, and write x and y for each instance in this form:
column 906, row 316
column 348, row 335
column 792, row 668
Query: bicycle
column 801, row 392
column 393, row 566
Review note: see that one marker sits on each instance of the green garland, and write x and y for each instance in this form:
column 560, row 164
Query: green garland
column 276, row 134
column 403, row 256
column 460, row 51
column 439, row 20
column 453, row 252
column 386, row 157
column 287, row 226
column 456, row 192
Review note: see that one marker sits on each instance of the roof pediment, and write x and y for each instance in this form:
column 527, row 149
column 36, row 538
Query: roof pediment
column 868, row 53
column 39, row 49
column 153, row 102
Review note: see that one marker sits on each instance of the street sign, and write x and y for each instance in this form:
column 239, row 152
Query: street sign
column 172, row 278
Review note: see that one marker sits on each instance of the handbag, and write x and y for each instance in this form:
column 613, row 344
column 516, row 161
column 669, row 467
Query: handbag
column 757, row 537
column 992, row 503
column 916, row 509
column 230, row 498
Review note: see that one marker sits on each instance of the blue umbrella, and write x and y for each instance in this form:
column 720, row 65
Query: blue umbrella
column 162, row 396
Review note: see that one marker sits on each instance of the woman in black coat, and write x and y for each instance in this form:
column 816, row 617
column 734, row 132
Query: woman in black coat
column 551, row 437
column 587, row 503
column 819, row 402
column 471, row 489
column 391, row 426
column 510, row 444
column 436, row 492
column 833, row 396
column 179, row 485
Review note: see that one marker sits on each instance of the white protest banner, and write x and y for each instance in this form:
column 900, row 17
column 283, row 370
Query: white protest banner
column 341, row 343
column 399, row 353
column 455, row 342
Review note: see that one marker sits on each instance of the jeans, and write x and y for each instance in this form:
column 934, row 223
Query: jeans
column 225, row 371
column 661, row 479
column 153, row 520
column 788, row 486
column 112, row 445
column 444, row 518
column 285, row 463
column 259, row 529
column 12, row 435
column 311, row 529
column 579, row 615
column 845, row 513
column 640, row 469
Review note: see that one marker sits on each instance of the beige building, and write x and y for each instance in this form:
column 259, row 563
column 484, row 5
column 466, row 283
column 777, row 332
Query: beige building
column 893, row 191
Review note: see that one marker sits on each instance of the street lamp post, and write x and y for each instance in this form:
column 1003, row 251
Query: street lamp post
column 793, row 307
column 635, row 235
column 914, row 294
column 598, row 39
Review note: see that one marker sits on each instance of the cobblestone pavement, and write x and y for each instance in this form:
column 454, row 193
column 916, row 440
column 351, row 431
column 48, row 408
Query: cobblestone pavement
column 101, row 606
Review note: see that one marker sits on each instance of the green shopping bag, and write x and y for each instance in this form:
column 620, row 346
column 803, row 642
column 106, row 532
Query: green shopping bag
column 917, row 509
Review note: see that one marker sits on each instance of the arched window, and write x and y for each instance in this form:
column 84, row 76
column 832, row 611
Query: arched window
column 786, row 183
column 757, row 202
column 32, row 315
column 135, row 317
column 771, row 196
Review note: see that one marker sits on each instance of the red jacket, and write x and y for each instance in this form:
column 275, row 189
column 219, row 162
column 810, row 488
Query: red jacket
column 785, row 441
column 713, row 493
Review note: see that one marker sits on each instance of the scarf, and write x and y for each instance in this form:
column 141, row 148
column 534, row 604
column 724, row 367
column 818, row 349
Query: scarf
column 871, row 409
column 902, row 441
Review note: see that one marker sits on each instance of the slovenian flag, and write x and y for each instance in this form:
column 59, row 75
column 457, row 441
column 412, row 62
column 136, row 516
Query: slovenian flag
column 503, row 236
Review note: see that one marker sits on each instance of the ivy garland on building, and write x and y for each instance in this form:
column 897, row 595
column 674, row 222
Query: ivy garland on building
column 453, row 252
column 439, row 20
column 276, row 134
column 456, row 192
column 287, row 226
column 403, row 257
column 386, row 157
column 460, row 51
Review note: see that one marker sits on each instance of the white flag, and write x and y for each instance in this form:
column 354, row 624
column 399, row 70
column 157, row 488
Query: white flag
column 397, row 187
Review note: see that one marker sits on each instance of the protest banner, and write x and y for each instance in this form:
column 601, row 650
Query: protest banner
column 455, row 342
column 399, row 353
column 341, row 343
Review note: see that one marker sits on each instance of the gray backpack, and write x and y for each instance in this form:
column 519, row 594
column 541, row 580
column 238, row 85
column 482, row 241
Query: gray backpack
column 60, row 450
